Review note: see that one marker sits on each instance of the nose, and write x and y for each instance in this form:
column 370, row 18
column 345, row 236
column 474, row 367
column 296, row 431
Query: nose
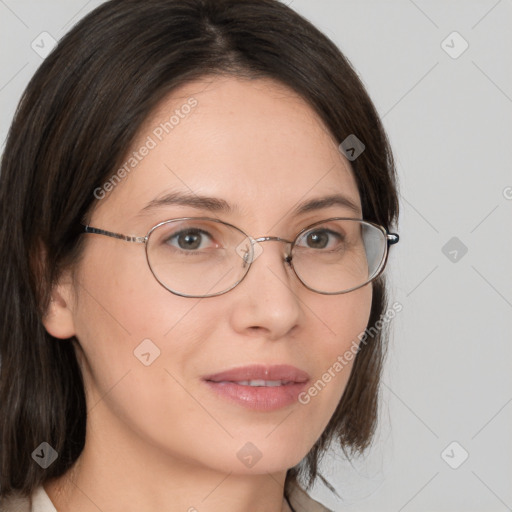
column 266, row 302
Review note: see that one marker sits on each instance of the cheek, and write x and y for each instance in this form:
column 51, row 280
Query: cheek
column 139, row 342
column 127, row 322
column 120, row 298
column 344, row 319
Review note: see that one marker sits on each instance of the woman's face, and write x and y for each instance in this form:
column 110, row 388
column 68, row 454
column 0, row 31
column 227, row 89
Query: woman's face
column 261, row 152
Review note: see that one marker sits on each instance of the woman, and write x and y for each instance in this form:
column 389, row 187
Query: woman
column 187, row 278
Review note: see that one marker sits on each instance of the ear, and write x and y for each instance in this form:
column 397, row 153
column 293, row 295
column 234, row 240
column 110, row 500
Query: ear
column 58, row 320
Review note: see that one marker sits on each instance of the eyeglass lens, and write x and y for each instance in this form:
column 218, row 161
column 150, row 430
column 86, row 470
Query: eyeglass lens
column 205, row 257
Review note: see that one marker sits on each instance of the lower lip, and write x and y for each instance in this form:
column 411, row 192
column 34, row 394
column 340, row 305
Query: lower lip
column 259, row 398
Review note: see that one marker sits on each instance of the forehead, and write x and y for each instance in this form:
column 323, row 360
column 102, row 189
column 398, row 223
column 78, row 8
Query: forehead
column 253, row 143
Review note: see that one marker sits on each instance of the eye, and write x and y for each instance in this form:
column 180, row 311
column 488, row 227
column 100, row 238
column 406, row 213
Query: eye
column 320, row 239
column 192, row 239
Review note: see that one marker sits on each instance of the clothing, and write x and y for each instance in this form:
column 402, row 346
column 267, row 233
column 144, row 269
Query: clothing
column 302, row 502
column 40, row 502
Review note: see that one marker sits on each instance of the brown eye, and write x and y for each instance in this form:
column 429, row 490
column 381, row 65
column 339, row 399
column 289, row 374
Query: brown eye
column 319, row 239
column 189, row 240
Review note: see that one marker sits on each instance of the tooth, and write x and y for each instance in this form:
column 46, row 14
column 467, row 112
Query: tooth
column 256, row 382
column 260, row 383
column 272, row 383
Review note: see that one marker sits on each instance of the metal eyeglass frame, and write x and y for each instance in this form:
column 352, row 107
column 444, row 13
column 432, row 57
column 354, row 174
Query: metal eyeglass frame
column 391, row 238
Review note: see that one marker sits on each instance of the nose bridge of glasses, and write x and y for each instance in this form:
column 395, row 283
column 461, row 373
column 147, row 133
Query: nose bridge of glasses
column 270, row 239
column 257, row 250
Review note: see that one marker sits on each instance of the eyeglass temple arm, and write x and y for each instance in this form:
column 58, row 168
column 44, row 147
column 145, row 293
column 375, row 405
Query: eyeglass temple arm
column 127, row 238
column 392, row 238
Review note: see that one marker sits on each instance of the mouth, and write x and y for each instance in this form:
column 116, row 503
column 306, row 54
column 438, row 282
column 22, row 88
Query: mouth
column 259, row 387
column 260, row 383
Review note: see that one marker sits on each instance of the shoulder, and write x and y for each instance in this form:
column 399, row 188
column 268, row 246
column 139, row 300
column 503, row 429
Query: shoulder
column 301, row 501
column 39, row 502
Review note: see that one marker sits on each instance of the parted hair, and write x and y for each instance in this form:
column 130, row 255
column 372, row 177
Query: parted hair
column 75, row 121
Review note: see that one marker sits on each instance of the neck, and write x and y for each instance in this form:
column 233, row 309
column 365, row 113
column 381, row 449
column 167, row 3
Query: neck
column 121, row 473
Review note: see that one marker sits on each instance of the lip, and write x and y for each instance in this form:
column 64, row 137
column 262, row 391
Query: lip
column 283, row 372
column 259, row 398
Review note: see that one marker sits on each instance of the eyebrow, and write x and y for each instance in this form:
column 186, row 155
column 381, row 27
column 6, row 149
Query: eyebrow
column 326, row 202
column 215, row 204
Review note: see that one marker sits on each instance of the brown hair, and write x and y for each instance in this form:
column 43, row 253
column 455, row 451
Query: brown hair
column 75, row 121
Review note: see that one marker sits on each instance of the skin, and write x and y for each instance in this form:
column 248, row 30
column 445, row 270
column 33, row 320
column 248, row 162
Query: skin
column 157, row 437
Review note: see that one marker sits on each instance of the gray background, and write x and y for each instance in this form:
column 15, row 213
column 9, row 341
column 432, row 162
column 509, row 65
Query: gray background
column 448, row 376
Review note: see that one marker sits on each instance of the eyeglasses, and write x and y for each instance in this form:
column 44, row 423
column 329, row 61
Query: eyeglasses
column 204, row 257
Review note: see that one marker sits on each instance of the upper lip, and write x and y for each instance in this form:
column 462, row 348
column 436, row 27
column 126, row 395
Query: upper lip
column 283, row 372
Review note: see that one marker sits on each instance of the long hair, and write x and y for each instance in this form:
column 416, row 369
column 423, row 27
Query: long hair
column 75, row 121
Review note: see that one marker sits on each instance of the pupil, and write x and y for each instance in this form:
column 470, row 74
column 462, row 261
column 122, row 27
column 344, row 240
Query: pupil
column 318, row 240
column 189, row 241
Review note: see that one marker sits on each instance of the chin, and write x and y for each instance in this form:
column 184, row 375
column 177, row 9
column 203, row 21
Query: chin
column 253, row 458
